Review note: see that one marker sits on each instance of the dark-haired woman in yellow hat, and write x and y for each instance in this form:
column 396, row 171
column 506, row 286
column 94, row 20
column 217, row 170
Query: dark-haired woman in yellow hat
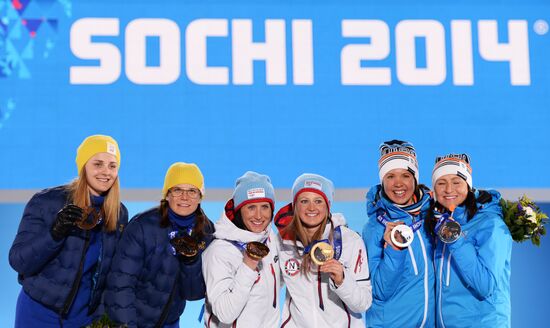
column 157, row 266
column 66, row 241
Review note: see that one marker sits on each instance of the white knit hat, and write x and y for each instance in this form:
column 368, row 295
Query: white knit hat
column 457, row 164
column 397, row 154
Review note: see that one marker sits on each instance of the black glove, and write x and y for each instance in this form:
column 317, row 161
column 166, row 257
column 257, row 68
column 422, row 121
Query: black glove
column 186, row 247
column 66, row 221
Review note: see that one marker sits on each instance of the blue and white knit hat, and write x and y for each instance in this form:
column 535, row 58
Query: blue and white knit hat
column 397, row 154
column 458, row 164
column 253, row 187
column 313, row 183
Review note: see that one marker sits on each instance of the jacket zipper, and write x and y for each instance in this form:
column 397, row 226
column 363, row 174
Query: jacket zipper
column 425, row 257
column 76, row 283
column 274, row 286
column 441, row 264
column 97, row 272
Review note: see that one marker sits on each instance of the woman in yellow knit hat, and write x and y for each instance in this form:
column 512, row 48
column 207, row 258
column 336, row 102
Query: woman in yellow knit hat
column 157, row 266
column 66, row 241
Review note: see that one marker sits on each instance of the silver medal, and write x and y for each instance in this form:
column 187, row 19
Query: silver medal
column 449, row 231
column 402, row 235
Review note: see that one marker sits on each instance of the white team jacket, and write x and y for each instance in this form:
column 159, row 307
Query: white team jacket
column 343, row 306
column 237, row 296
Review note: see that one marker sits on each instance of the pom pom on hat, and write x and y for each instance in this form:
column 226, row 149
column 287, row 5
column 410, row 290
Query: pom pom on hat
column 457, row 164
column 183, row 173
column 397, row 154
column 94, row 145
column 313, row 183
column 253, row 187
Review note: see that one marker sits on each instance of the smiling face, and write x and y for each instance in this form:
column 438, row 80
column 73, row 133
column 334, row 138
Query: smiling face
column 450, row 190
column 256, row 216
column 183, row 199
column 101, row 172
column 312, row 210
column 399, row 185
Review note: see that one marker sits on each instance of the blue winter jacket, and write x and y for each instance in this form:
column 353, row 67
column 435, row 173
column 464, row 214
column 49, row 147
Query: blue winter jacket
column 144, row 272
column 49, row 270
column 402, row 280
column 473, row 273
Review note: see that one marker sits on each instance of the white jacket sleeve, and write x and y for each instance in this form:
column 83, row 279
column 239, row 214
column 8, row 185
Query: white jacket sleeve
column 228, row 281
column 356, row 290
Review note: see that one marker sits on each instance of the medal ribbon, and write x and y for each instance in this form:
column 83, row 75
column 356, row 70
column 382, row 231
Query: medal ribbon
column 441, row 220
column 383, row 220
column 337, row 239
column 242, row 245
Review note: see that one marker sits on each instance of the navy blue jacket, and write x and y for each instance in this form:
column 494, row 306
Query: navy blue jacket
column 48, row 269
column 144, row 272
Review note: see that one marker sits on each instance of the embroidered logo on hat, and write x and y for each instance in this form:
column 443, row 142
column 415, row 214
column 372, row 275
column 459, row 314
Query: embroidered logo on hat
column 255, row 193
column 111, row 148
column 313, row 184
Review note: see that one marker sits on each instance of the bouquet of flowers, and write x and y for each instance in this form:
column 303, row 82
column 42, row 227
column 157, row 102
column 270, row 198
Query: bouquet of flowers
column 524, row 219
column 105, row 322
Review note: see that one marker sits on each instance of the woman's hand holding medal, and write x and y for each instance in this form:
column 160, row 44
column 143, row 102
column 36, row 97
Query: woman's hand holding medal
column 254, row 253
column 396, row 236
column 335, row 269
column 447, row 229
column 322, row 254
column 186, row 247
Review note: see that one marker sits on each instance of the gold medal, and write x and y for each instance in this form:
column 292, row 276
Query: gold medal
column 321, row 253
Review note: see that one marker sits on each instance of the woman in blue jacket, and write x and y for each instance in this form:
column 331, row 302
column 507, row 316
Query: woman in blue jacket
column 66, row 240
column 402, row 275
column 473, row 272
column 157, row 266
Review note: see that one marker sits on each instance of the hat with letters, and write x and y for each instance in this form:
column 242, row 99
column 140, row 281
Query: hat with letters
column 457, row 164
column 253, row 187
column 397, row 154
column 313, row 183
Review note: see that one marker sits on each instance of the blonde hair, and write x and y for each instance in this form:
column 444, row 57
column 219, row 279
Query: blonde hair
column 297, row 230
column 79, row 194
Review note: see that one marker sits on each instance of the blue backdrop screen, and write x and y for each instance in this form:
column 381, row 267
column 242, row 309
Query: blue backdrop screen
column 280, row 87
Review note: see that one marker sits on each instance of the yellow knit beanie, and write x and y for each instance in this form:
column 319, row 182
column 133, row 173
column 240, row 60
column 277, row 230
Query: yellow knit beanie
column 180, row 173
column 93, row 145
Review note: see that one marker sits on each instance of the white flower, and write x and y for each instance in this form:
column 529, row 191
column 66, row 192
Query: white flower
column 530, row 215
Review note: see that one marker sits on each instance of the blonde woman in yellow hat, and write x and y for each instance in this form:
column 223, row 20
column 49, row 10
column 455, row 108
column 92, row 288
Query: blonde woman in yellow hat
column 66, row 241
column 157, row 267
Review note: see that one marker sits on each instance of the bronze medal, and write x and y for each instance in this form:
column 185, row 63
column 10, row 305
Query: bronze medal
column 90, row 218
column 185, row 245
column 257, row 250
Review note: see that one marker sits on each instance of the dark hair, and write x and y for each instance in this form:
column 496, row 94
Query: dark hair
column 202, row 223
column 238, row 220
column 471, row 209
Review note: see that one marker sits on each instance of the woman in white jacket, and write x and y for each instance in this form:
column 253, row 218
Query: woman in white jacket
column 242, row 282
column 330, row 294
